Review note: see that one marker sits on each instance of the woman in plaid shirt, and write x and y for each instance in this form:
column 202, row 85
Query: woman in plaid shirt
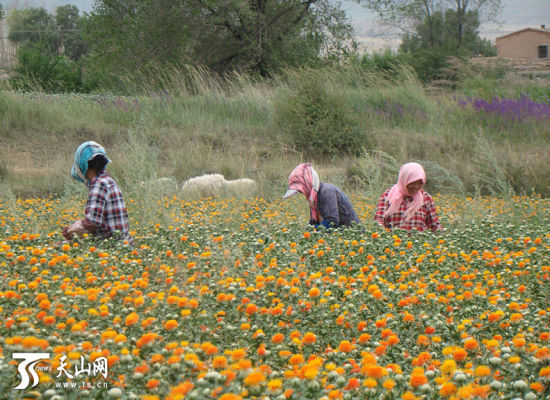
column 105, row 212
column 406, row 205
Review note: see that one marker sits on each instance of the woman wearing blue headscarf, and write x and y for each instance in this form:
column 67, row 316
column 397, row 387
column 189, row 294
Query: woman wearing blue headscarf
column 105, row 212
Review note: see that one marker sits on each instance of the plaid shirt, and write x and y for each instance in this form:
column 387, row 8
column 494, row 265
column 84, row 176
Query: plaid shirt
column 424, row 218
column 106, row 208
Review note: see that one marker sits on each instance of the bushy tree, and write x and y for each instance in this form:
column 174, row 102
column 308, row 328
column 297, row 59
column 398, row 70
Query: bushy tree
column 409, row 14
column 34, row 27
column 59, row 33
column 50, row 48
column 69, row 25
column 253, row 35
column 439, row 34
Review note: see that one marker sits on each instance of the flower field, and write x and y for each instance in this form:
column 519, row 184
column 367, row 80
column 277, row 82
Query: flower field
column 230, row 299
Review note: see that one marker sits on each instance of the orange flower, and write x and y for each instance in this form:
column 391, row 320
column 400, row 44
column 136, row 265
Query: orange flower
column 255, row 378
column 345, row 346
column 131, row 319
column 277, row 338
column 364, row 338
column 374, row 371
column 251, row 308
column 471, row 344
column 460, row 354
column 171, row 324
column 219, row 362
column 447, row 389
column 309, row 338
column 146, row 339
column 238, row 354
column 314, row 292
column 482, row 370
column 392, row 340
column 296, row 359
column 229, row 396
column 45, row 304
column 417, row 377
column 152, row 384
column 388, row 384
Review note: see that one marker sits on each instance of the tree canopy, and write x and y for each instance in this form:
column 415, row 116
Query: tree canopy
column 437, row 33
column 253, row 35
column 59, row 33
column 411, row 14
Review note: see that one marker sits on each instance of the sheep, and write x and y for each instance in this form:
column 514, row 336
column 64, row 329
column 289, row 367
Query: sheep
column 243, row 185
column 205, row 185
column 215, row 184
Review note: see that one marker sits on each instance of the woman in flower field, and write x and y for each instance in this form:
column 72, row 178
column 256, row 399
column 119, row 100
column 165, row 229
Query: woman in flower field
column 406, row 205
column 328, row 205
column 105, row 211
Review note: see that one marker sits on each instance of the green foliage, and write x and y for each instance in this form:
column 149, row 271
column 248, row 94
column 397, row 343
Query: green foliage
column 37, row 68
column 1, row 11
column 34, row 27
column 435, row 40
column 438, row 32
column 317, row 119
column 69, row 26
column 491, row 176
column 262, row 37
column 59, row 33
column 387, row 62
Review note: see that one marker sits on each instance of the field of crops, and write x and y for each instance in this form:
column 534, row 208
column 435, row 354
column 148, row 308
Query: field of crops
column 230, row 299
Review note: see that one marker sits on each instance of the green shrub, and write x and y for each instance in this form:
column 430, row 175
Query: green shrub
column 317, row 119
column 38, row 68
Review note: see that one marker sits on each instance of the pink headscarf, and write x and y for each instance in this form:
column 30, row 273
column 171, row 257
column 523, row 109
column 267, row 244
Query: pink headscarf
column 410, row 172
column 305, row 180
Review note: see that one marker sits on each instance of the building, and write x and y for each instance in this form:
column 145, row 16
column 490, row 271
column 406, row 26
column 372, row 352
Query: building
column 527, row 43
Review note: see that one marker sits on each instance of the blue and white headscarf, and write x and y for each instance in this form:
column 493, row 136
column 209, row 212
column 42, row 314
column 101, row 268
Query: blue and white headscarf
column 85, row 152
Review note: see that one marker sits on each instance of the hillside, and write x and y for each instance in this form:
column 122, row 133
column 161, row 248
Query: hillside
column 363, row 127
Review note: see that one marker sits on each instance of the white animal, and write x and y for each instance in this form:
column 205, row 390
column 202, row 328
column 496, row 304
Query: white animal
column 241, row 185
column 214, row 184
column 205, row 185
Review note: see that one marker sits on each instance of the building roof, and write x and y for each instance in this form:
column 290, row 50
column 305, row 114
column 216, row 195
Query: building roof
column 540, row 30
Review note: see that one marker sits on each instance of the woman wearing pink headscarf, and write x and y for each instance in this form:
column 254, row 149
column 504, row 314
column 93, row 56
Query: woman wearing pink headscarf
column 328, row 205
column 405, row 205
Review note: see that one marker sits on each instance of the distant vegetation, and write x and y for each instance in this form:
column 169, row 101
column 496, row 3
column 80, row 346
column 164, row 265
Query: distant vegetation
column 356, row 126
column 173, row 104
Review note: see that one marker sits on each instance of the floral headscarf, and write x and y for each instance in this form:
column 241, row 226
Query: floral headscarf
column 304, row 179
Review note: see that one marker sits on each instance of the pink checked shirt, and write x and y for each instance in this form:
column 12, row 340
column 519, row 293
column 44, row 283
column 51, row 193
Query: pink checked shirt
column 424, row 218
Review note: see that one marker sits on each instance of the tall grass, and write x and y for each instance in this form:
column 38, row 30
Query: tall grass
column 187, row 122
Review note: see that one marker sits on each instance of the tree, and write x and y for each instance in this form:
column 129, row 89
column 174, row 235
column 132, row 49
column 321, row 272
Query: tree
column 49, row 49
column 257, row 35
column 408, row 14
column 61, row 33
column 434, row 41
column 69, row 25
column 1, row 11
column 34, row 27
column 438, row 34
